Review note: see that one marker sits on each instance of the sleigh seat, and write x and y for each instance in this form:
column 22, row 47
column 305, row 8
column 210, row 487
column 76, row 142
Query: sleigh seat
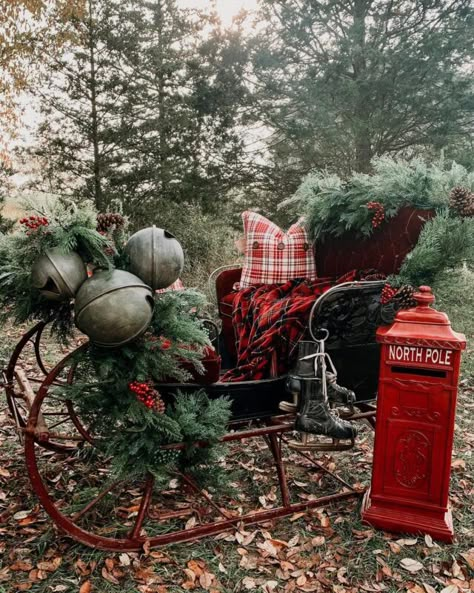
column 350, row 312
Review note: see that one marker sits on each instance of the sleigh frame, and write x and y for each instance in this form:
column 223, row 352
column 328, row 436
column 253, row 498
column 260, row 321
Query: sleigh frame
column 53, row 434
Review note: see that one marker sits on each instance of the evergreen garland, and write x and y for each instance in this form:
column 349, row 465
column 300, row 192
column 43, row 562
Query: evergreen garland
column 333, row 206
column 128, row 431
column 61, row 226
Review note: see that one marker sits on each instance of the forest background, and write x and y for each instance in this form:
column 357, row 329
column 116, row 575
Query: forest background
column 177, row 115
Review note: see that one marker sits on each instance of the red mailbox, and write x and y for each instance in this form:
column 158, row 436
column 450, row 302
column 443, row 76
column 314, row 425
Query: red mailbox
column 419, row 372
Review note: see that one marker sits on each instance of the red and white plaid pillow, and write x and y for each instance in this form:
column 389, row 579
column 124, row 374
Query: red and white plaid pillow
column 177, row 285
column 273, row 256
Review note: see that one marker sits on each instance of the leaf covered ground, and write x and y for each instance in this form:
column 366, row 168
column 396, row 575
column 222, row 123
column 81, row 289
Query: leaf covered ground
column 326, row 549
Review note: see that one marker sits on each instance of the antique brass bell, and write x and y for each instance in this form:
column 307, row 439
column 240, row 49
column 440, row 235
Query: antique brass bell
column 155, row 256
column 113, row 307
column 58, row 275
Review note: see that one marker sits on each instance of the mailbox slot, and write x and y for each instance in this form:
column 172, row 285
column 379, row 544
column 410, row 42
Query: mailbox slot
column 420, row 372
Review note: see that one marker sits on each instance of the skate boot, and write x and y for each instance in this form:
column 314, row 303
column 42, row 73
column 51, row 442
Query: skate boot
column 339, row 394
column 303, row 368
column 315, row 416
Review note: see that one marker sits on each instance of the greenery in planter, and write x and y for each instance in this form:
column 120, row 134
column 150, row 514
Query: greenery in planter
column 333, row 206
column 114, row 394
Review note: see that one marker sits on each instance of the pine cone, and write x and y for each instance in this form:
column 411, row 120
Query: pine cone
column 107, row 220
column 404, row 297
column 461, row 200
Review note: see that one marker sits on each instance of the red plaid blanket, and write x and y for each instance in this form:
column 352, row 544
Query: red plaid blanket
column 270, row 320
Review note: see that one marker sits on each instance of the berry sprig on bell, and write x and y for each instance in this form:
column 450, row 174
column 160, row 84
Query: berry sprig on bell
column 148, row 396
column 34, row 222
column 107, row 220
column 378, row 215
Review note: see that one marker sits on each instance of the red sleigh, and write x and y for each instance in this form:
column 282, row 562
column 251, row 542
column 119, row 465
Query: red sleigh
column 119, row 516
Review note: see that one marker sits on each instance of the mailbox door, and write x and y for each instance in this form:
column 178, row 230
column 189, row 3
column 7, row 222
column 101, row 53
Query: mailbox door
column 414, row 442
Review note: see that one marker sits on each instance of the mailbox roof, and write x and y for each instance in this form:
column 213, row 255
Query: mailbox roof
column 422, row 325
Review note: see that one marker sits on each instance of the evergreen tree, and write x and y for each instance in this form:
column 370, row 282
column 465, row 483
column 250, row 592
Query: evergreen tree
column 144, row 111
column 342, row 81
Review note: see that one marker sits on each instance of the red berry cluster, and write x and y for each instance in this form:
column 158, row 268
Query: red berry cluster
column 379, row 213
column 34, row 222
column 388, row 292
column 165, row 343
column 148, row 395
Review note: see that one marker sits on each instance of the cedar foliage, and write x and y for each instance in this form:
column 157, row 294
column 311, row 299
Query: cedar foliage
column 125, row 429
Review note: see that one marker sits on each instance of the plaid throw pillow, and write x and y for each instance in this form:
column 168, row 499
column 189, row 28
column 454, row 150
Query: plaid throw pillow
column 177, row 285
column 272, row 256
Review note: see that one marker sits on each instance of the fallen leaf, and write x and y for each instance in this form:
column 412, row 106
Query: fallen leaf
column 429, row 588
column 394, row 547
column 197, row 566
column 50, row 565
column 407, row 542
column 450, row 589
column 458, row 463
column 190, row 574
column 82, row 567
column 124, row 559
column 300, row 581
column 416, row 589
column 249, row 583
column 269, row 586
column 190, row 523
column 109, row 577
column 86, row 587
column 268, row 548
column 21, row 565
column 455, row 569
column 469, row 558
column 411, row 565
column 429, row 541
column 21, row 515
column 205, row 580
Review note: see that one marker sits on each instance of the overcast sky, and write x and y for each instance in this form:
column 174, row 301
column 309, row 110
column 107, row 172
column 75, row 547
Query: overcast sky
column 227, row 9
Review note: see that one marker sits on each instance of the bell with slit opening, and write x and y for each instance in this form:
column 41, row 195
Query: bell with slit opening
column 58, row 275
column 155, row 256
column 113, row 307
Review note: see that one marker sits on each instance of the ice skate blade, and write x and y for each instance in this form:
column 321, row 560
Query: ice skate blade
column 306, row 444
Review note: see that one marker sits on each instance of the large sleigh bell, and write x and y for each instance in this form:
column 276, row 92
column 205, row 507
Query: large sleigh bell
column 58, row 275
column 113, row 308
column 155, row 256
